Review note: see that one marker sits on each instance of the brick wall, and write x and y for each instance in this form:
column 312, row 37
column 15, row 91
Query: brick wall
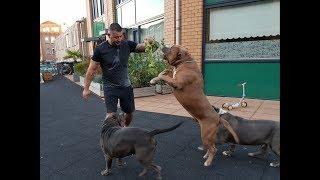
column 169, row 22
column 191, row 27
column 110, row 12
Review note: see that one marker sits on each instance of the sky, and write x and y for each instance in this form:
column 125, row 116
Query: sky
column 62, row 11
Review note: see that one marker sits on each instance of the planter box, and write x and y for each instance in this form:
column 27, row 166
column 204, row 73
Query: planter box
column 76, row 77
column 47, row 76
column 96, row 88
column 144, row 91
column 164, row 89
column 81, row 80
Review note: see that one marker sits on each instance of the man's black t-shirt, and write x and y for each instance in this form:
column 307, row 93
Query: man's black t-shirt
column 114, row 62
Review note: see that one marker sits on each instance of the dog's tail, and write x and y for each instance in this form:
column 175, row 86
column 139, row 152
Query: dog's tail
column 159, row 131
column 227, row 125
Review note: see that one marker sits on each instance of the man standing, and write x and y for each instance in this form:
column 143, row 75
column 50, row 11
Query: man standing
column 112, row 56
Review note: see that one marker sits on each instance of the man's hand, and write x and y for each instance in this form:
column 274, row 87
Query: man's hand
column 86, row 93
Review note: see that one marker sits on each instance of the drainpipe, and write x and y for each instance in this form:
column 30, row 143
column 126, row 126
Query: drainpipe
column 177, row 22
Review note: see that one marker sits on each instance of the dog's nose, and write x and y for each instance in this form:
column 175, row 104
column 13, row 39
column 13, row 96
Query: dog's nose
column 165, row 49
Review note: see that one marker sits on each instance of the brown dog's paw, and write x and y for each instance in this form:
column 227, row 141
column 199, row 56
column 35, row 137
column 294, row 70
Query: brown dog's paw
column 207, row 163
column 105, row 172
column 154, row 81
column 200, row 148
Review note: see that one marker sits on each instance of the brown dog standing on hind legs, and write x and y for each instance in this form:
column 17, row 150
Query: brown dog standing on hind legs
column 187, row 82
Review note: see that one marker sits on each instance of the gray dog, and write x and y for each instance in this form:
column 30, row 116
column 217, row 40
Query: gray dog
column 265, row 133
column 118, row 142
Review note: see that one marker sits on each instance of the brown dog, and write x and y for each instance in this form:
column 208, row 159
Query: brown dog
column 187, row 82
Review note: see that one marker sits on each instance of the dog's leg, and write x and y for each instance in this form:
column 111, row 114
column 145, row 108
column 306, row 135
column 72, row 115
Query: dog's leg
column 208, row 136
column 172, row 82
column 107, row 171
column 157, row 169
column 275, row 147
column 206, row 155
column 212, row 151
column 231, row 149
column 164, row 72
column 262, row 150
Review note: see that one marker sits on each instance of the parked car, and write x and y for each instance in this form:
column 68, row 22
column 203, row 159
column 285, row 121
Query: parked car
column 48, row 67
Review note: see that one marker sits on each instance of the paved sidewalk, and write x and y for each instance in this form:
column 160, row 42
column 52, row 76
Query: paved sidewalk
column 167, row 104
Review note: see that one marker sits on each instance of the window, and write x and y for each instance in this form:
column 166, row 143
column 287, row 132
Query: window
column 154, row 8
column 94, row 13
column 244, row 21
column 102, row 7
column 128, row 16
column 55, row 29
column 97, row 8
column 119, row 1
column 45, row 29
column 119, row 16
column 52, row 39
column 67, row 41
column 98, row 3
column 153, row 29
column 47, row 39
column 48, row 51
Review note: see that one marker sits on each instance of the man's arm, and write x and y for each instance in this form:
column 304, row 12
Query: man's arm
column 92, row 69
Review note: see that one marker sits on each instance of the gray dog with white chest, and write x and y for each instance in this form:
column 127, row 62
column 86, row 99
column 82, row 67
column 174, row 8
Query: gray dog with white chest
column 265, row 133
column 118, row 142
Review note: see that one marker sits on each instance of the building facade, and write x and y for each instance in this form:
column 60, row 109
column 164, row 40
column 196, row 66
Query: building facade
column 232, row 41
column 242, row 44
column 73, row 38
column 49, row 31
column 96, row 18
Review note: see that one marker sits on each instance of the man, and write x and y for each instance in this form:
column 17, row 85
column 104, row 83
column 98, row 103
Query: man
column 112, row 56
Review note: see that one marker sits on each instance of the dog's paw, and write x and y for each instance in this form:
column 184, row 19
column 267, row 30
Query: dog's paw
column 275, row 164
column 206, row 156
column 200, row 148
column 121, row 164
column 207, row 163
column 154, row 81
column 226, row 153
column 105, row 172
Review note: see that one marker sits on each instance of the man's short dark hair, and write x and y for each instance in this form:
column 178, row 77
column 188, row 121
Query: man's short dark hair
column 115, row 27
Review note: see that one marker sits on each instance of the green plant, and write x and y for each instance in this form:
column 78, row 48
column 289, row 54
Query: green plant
column 73, row 55
column 81, row 68
column 145, row 66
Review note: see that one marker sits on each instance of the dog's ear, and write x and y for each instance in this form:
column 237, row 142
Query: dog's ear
column 179, row 55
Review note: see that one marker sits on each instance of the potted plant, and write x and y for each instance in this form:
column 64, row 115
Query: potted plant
column 96, row 85
column 143, row 67
column 75, row 55
column 80, row 70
